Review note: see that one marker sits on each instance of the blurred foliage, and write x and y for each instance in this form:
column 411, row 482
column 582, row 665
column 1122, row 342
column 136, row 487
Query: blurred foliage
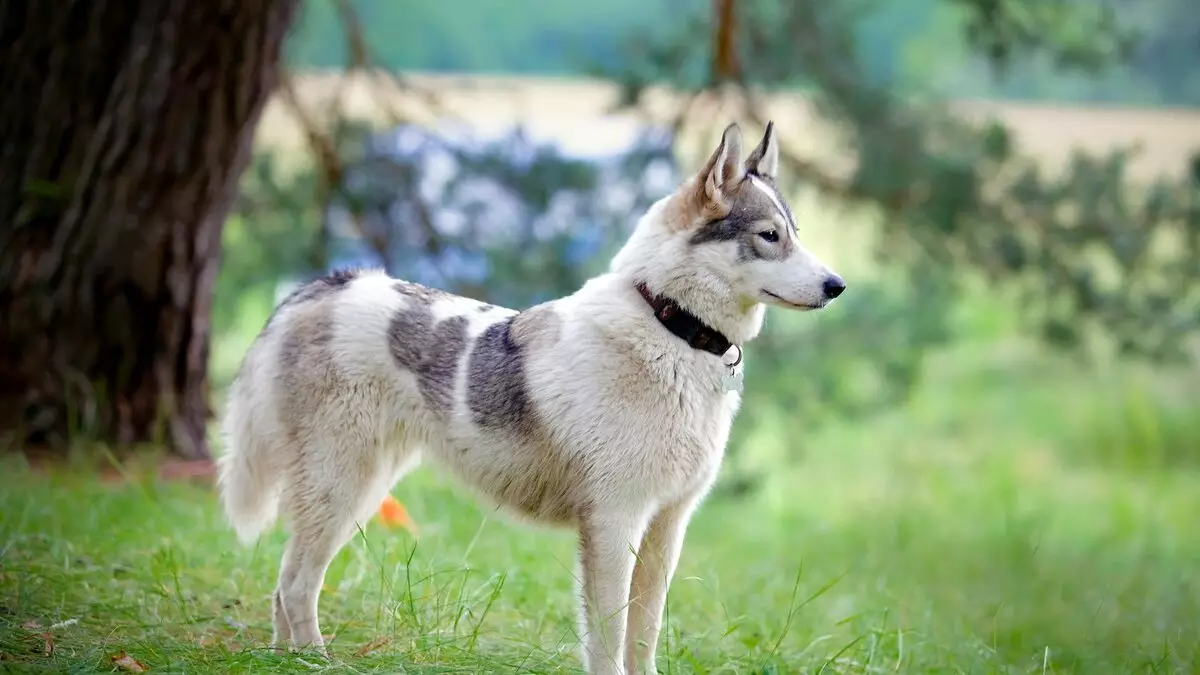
column 1086, row 36
column 525, row 36
column 503, row 218
column 1032, row 41
column 1091, row 250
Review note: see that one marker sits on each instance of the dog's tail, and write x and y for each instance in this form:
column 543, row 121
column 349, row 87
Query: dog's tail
column 248, row 483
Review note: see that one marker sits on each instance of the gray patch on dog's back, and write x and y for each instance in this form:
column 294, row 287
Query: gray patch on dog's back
column 497, row 389
column 306, row 372
column 750, row 205
column 499, row 396
column 496, row 392
column 429, row 351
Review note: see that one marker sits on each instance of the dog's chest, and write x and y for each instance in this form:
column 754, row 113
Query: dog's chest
column 697, row 414
column 674, row 421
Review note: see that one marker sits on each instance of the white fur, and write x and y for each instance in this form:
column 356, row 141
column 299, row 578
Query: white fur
column 770, row 194
column 631, row 422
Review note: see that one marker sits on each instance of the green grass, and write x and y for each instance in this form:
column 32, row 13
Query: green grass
column 1015, row 517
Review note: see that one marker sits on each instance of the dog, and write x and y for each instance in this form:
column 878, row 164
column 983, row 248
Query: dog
column 606, row 411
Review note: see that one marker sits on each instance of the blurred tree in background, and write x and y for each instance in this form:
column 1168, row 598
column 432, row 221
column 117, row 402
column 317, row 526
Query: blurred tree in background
column 125, row 128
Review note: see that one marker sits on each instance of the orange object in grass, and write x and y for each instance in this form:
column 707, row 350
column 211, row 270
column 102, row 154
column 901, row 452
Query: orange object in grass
column 393, row 514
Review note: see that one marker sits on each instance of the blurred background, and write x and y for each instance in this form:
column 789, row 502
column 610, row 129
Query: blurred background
column 992, row 439
column 1009, row 184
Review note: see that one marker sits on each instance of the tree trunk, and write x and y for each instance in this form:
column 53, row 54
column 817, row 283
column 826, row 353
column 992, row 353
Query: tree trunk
column 125, row 128
column 725, row 64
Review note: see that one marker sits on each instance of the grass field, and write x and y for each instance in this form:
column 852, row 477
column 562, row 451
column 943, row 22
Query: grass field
column 1013, row 519
column 1018, row 515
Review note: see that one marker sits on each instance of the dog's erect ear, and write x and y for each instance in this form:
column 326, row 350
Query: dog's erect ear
column 764, row 161
column 723, row 170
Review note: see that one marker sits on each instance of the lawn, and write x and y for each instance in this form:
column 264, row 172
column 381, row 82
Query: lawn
column 1013, row 518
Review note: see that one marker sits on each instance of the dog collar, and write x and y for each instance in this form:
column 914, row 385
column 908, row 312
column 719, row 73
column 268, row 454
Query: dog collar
column 685, row 325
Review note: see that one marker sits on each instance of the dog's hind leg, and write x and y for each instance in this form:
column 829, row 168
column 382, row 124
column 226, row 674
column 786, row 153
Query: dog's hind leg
column 325, row 509
column 317, row 537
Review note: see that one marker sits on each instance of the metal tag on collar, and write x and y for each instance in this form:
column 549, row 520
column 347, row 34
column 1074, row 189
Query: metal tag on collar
column 733, row 379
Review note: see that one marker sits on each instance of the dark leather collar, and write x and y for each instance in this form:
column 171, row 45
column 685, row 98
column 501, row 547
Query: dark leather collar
column 684, row 324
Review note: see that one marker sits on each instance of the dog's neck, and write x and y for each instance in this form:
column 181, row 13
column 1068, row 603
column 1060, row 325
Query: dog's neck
column 737, row 321
column 685, row 325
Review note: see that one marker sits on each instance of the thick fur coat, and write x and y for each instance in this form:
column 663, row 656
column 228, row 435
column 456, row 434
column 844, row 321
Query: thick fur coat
column 584, row 412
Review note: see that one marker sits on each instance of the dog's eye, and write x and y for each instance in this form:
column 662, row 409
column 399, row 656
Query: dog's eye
column 769, row 235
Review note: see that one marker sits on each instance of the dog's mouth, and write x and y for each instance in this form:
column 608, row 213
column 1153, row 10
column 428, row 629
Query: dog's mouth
column 789, row 303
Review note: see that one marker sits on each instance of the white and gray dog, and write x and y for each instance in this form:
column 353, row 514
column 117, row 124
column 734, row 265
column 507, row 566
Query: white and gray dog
column 606, row 411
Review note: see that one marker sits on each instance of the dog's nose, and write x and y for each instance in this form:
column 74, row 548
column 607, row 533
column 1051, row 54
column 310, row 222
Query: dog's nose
column 833, row 286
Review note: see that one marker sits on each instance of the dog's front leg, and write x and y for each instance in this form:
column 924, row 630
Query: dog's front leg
column 606, row 548
column 657, row 557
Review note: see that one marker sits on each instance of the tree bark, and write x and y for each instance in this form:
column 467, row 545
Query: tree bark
column 125, row 128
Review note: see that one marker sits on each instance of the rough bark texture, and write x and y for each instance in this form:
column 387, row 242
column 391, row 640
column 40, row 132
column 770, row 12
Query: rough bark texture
column 125, row 126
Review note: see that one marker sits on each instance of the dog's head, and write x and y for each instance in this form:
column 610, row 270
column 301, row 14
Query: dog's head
column 729, row 227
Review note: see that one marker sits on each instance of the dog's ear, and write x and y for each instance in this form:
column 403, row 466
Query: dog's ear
column 722, row 171
column 764, row 161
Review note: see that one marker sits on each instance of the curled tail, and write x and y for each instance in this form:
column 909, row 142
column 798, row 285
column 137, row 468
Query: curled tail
column 249, row 487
